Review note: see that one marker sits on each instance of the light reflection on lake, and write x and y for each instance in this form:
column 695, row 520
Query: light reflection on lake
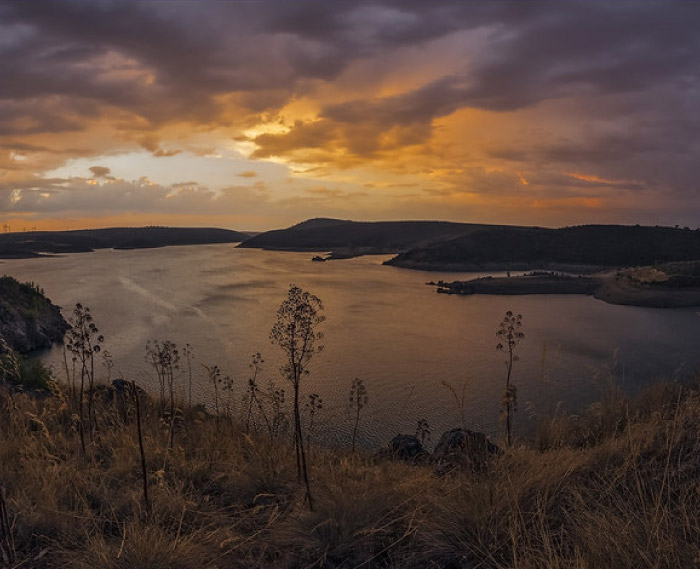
column 384, row 325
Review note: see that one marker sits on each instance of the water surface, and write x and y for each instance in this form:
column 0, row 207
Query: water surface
column 384, row 325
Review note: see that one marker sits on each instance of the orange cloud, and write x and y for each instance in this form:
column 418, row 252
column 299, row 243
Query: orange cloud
column 597, row 179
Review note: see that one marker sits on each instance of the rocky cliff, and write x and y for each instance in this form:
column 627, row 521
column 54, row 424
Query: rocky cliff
column 28, row 320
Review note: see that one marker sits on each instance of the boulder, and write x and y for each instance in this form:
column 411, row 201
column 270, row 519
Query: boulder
column 405, row 447
column 465, row 449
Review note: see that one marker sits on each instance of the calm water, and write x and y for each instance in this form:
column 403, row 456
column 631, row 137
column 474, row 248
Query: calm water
column 384, row 325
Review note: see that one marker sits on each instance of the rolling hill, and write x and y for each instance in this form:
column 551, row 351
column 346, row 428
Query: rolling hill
column 361, row 237
column 527, row 248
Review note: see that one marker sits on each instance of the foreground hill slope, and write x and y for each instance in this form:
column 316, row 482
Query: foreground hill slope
column 361, row 236
column 614, row 487
column 527, row 248
column 34, row 243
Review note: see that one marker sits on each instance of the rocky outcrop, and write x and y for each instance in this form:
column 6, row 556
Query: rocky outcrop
column 457, row 448
column 405, row 447
column 28, row 320
column 464, row 449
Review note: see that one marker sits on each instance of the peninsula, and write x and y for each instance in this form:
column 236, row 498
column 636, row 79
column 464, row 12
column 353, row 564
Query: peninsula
column 584, row 248
column 670, row 285
column 37, row 243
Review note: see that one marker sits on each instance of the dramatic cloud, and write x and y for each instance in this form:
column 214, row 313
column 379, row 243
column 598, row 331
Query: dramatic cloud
column 527, row 112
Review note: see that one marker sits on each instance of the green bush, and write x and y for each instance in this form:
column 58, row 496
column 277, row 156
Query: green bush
column 26, row 373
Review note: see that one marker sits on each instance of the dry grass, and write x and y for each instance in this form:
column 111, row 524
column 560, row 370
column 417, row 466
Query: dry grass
column 619, row 487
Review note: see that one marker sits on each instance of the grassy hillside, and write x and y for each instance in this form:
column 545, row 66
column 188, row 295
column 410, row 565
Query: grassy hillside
column 33, row 243
column 594, row 245
column 366, row 237
column 614, row 487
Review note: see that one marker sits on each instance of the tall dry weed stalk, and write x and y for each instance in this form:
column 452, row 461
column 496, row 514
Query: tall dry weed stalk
column 7, row 540
column 188, row 352
column 142, row 452
column 356, row 403
column 296, row 333
column 165, row 358
column 459, row 399
column 314, row 404
column 84, row 341
column 510, row 335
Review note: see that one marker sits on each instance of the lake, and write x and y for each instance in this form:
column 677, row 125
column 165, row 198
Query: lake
column 384, row 325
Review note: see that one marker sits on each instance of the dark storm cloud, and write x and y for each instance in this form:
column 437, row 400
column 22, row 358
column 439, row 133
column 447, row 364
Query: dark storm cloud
column 542, row 52
column 584, row 47
column 198, row 50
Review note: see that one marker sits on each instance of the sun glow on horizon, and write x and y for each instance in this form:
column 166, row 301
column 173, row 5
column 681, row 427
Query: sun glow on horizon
column 446, row 110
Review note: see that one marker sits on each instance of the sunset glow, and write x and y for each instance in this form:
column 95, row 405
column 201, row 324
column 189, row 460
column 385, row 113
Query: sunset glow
column 256, row 115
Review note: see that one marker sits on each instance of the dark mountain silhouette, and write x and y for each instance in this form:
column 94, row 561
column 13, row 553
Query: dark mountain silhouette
column 597, row 245
column 362, row 237
column 34, row 243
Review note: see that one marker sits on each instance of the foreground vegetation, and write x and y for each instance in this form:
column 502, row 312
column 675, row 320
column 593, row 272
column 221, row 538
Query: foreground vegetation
column 616, row 487
column 100, row 474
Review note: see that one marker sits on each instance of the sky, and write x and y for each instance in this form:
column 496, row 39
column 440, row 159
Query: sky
column 255, row 115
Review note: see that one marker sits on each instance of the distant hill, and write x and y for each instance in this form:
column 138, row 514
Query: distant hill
column 34, row 243
column 362, row 237
column 593, row 245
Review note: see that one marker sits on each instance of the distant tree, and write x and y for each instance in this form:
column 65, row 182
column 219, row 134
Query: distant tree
column 510, row 335
column 296, row 333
